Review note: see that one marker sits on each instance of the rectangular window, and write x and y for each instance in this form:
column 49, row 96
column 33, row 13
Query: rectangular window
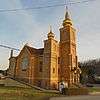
column 58, row 60
column 53, row 70
column 40, row 66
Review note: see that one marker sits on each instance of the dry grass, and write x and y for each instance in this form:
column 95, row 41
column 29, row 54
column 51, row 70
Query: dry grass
column 16, row 93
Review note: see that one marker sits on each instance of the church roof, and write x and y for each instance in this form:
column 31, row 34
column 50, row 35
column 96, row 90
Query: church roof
column 40, row 51
column 35, row 51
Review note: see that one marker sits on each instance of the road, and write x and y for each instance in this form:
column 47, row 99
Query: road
column 86, row 97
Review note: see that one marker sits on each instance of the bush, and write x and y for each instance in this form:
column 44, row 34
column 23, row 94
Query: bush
column 76, row 91
column 2, row 85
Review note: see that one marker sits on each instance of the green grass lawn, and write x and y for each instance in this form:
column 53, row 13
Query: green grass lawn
column 16, row 93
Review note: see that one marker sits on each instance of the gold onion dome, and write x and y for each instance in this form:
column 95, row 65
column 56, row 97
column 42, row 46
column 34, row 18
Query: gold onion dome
column 67, row 20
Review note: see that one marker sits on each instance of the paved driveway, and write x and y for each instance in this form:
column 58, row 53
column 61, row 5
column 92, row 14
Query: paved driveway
column 87, row 97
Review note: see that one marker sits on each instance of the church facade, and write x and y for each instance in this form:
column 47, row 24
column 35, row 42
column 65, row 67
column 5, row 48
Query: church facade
column 46, row 67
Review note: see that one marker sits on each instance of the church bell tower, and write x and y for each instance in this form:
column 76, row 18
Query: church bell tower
column 50, row 62
column 69, row 71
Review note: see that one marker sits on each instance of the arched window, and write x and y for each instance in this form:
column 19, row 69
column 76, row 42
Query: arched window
column 24, row 63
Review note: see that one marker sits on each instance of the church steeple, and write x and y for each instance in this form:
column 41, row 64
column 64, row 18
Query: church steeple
column 68, row 54
column 50, row 34
column 67, row 20
column 67, row 14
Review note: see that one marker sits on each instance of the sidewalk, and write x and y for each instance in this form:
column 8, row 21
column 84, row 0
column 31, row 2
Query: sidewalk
column 83, row 97
column 94, row 93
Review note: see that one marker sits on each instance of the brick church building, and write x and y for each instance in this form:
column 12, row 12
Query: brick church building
column 46, row 67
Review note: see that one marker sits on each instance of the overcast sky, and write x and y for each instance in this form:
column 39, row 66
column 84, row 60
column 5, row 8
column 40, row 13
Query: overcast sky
column 31, row 26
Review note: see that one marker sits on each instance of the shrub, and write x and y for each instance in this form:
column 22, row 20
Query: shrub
column 76, row 91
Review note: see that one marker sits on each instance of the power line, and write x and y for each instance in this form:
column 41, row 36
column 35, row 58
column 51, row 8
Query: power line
column 48, row 6
column 85, row 1
column 4, row 46
column 32, row 8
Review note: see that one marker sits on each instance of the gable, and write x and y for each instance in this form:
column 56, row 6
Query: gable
column 29, row 51
column 24, row 52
